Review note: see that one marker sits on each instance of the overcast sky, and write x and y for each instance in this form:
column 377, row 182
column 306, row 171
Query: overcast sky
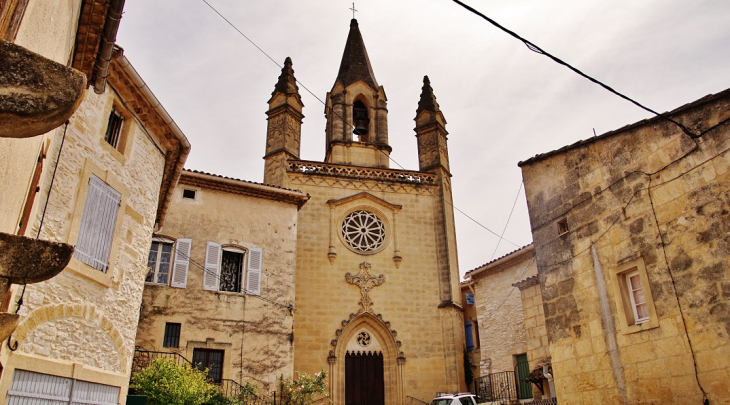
column 503, row 103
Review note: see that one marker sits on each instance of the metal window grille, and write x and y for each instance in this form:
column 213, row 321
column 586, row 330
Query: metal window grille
column 97, row 224
column 35, row 388
column 211, row 360
column 114, row 128
column 172, row 335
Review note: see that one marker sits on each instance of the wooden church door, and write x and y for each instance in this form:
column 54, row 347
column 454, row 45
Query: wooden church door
column 364, row 379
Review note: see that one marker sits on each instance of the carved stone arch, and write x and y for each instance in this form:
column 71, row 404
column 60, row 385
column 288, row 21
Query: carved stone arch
column 384, row 340
column 91, row 313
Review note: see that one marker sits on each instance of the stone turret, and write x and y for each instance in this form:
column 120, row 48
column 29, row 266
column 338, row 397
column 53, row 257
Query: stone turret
column 431, row 132
column 284, row 128
column 356, row 110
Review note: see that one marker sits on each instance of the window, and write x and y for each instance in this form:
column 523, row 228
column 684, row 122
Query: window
column 172, row 335
column 563, row 226
column 187, row 193
column 224, row 269
column 632, row 293
column 469, row 336
column 94, row 241
column 636, row 296
column 158, row 262
column 470, row 299
column 210, row 359
column 114, row 128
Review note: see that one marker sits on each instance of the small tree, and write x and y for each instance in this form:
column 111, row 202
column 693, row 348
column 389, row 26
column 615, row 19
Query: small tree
column 301, row 391
column 166, row 383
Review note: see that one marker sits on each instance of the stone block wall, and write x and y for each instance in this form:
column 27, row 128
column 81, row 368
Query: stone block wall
column 502, row 322
column 646, row 198
column 85, row 318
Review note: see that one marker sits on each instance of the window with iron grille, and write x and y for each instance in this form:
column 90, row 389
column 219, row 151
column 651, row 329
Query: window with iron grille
column 94, row 242
column 114, row 128
column 209, row 359
column 172, row 335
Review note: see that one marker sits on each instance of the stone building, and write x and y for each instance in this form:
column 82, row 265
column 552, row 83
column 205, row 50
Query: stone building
column 101, row 182
column 377, row 281
column 631, row 242
column 220, row 287
column 503, row 329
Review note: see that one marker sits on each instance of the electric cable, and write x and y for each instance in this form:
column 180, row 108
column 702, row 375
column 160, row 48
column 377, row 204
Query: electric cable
column 531, row 46
column 517, row 197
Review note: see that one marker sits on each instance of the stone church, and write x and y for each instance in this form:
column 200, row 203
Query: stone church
column 378, row 300
column 364, row 255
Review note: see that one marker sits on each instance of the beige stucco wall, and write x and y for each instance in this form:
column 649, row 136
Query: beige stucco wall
column 84, row 321
column 499, row 310
column 431, row 337
column 650, row 197
column 255, row 334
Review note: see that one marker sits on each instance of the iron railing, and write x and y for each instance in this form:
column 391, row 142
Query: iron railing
column 143, row 359
column 414, row 401
column 496, row 387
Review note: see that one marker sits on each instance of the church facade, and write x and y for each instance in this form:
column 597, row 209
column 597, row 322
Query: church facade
column 378, row 301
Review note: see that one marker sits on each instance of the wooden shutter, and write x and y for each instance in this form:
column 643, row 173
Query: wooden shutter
column 253, row 283
column 212, row 266
column 182, row 263
column 468, row 336
column 96, row 231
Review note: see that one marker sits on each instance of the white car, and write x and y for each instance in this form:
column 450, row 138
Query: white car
column 464, row 398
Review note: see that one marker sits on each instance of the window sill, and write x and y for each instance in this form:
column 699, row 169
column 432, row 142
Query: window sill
column 113, row 151
column 82, row 269
column 651, row 324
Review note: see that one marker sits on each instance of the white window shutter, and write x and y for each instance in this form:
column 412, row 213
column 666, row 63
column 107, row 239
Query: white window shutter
column 182, row 263
column 96, row 231
column 253, row 283
column 212, row 266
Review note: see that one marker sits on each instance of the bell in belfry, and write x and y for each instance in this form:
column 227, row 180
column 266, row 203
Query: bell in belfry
column 360, row 116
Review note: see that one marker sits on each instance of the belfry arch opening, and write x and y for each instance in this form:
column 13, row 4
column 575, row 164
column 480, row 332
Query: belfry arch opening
column 361, row 121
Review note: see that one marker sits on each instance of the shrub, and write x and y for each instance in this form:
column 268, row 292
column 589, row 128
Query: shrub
column 166, row 383
column 301, row 391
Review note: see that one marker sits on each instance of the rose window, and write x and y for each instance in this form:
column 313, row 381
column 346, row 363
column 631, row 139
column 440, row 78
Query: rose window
column 363, row 231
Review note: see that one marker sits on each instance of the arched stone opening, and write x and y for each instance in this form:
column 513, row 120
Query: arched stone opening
column 381, row 341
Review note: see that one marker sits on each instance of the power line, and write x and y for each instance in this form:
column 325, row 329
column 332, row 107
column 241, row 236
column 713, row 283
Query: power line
column 343, row 120
column 531, row 46
column 508, row 218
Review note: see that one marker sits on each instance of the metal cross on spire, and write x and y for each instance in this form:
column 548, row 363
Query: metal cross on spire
column 354, row 10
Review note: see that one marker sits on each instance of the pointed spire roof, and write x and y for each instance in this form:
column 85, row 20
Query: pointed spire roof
column 287, row 84
column 428, row 99
column 355, row 63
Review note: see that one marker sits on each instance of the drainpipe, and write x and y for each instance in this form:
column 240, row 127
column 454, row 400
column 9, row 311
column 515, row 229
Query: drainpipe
column 108, row 38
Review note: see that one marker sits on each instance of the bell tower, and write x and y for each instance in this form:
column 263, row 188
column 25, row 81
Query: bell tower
column 356, row 110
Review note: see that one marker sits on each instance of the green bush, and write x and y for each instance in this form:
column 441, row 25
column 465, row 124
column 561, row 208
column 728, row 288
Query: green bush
column 301, row 391
column 166, row 383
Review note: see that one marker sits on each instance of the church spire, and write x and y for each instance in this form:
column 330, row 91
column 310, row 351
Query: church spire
column 286, row 84
column 355, row 63
column 428, row 99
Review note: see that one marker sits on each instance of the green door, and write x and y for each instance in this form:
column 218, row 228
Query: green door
column 522, row 370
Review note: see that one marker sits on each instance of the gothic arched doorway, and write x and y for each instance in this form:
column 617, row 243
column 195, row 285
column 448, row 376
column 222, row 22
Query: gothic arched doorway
column 364, row 384
column 365, row 366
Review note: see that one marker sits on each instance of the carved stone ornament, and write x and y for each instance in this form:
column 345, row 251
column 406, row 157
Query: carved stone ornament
column 366, row 282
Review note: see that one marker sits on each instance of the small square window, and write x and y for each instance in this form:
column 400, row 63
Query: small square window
column 114, row 128
column 172, row 335
column 470, row 298
column 563, row 226
column 187, row 193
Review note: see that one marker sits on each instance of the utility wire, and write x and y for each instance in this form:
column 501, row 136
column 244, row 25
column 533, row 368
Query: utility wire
column 508, row 218
column 343, row 120
column 531, row 46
